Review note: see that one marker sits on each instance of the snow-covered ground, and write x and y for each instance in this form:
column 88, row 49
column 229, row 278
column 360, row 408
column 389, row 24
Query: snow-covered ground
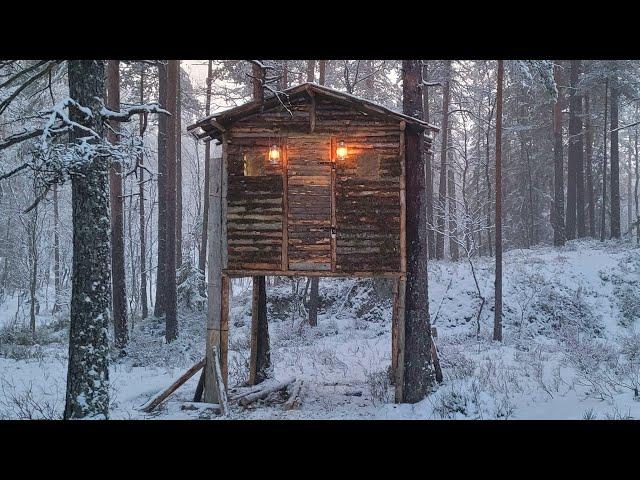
column 571, row 347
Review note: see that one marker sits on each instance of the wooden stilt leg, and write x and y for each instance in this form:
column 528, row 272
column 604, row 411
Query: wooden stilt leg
column 253, row 361
column 260, row 356
column 399, row 382
column 224, row 330
column 215, row 287
column 394, row 332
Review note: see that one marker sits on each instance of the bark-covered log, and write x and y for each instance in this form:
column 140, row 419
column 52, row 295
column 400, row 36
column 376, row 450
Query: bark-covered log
column 163, row 395
column 417, row 367
column 260, row 363
column 170, row 293
column 557, row 217
column 117, row 214
column 265, row 392
column 615, row 159
column 497, row 319
column 442, row 188
column 87, row 393
column 159, row 308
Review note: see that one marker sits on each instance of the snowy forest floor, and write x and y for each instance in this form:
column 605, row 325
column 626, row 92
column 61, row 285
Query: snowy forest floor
column 570, row 351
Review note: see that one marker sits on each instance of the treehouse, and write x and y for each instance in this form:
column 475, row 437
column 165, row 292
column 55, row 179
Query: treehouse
column 311, row 183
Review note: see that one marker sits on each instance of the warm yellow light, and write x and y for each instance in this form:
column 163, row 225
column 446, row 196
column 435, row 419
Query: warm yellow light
column 341, row 151
column 274, row 153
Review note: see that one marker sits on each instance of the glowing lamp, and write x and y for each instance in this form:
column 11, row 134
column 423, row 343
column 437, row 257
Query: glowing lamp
column 274, row 154
column 341, row 151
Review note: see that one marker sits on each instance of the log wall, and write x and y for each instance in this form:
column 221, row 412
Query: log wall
column 360, row 196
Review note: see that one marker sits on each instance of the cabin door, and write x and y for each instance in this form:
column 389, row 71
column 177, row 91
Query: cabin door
column 309, row 196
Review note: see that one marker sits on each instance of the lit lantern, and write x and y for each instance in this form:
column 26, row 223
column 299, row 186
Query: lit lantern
column 341, row 151
column 274, row 153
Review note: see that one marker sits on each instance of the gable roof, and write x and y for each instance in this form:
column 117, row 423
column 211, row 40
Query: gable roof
column 213, row 125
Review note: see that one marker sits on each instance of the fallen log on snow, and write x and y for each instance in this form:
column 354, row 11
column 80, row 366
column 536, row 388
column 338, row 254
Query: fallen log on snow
column 162, row 396
column 294, row 400
column 436, row 361
column 265, row 392
column 200, row 406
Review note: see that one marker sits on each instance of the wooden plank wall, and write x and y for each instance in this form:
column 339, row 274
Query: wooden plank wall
column 254, row 209
column 367, row 210
column 309, row 202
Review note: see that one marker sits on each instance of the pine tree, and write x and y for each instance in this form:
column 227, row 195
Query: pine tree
column 117, row 214
column 418, row 372
column 88, row 367
column 558, row 182
column 497, row 320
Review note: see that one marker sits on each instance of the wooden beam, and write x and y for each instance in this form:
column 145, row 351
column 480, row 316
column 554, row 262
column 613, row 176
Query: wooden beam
column 334, row 223
column 394, row 331
column 399, row 380
column 310, row 273
column 285, row 205
column 265, row 392
column 162, row 396
column 224, row 330
column 214, row 303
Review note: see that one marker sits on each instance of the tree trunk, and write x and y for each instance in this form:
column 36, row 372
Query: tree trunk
column 143, row 244
column 87, row 393
column 162, row 191
column 171, row 320
column 635, row 191
column 615, row 160
column 178, row 136
column 579, row 152
column 497, row 321
column 431, row 239
column 629, row 195
column 588, row 137
column 558, row 172
column 442, row 189
column 260, row 352
column 322, row 65
column 202, row 257
column 603, row 216
column 453, row 220
column 313, row 302
column 417, row 369
column 33, row 260
column 575, row 151
column 117, row 214
column 311, row 70
column 56, row 251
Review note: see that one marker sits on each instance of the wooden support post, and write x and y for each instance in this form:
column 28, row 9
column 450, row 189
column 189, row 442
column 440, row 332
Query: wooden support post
column 260, row 356
column 214, row 320
column 334, row 223
column 224, row 330
column 399, row 352
column 285, row 207
column 394, row 331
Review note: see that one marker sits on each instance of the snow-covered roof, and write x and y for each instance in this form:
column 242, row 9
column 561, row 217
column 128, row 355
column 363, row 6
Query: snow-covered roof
column 213, row 125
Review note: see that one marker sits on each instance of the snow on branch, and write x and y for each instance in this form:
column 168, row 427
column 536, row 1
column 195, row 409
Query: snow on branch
column 125, row 114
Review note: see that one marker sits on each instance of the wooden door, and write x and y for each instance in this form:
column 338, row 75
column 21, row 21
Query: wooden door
column 309, row 192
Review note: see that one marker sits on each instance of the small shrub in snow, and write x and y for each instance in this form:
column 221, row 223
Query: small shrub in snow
column 190, row 287
column 379, row 387
column 29, row 402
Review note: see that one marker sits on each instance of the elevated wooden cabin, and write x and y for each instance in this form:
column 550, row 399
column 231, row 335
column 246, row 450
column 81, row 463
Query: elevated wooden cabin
column 311, row 183
column 314, row 184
